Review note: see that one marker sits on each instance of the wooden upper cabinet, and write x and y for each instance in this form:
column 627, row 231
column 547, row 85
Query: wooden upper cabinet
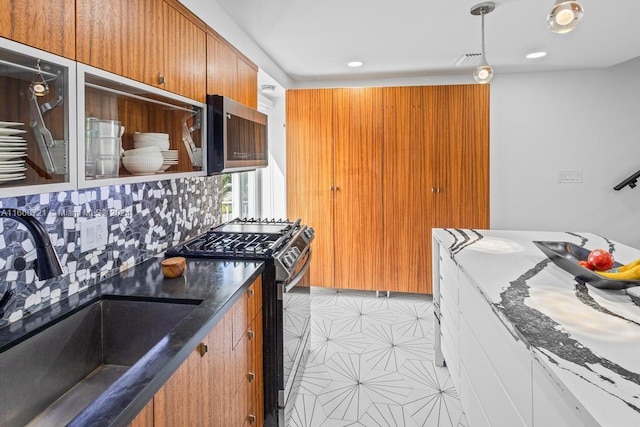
column 407, row 188
column 122, row 37
column 45, row 24
column 146, row 40
column 247, row 84
column 228, row 74
column 185, row 54
column 222, row 68
column 309, row 116
column 461, row 162
column 358, row 236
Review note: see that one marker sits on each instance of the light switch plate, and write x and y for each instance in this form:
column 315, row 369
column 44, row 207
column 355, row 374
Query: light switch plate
column 93, row 233
column 573, row 177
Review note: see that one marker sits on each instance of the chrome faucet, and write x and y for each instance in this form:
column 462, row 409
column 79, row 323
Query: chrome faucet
column 47, row 264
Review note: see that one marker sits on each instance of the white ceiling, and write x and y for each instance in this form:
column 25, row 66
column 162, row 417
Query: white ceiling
column 313, row 40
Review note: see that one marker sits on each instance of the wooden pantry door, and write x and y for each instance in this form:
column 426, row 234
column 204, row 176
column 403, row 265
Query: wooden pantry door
column 310, row 174
column 461, row 160
column 409, row 123
column 358, row 223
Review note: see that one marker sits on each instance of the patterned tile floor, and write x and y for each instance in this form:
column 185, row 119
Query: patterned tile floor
column 371, row 364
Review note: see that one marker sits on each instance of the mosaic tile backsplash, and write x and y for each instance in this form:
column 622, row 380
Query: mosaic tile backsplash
column 143, row 220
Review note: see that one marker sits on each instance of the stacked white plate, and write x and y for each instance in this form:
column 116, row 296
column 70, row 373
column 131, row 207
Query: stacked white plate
column 149, row 139
column 169, row 158
column 143, row 161
column 13, row 152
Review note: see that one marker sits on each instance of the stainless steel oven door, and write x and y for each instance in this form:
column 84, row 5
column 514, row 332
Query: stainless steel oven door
column 296, row 327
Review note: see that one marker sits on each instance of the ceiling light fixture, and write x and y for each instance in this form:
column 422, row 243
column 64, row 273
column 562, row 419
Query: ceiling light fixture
column 483, row 72
column 565, row 16
column 268, row 89
column 355, row 64
column 536, row 55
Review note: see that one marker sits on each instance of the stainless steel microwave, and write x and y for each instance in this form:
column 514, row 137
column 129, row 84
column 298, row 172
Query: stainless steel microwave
column 237, row 136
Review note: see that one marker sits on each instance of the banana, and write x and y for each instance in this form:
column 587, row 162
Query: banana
column 625, row 267
column 632, row 273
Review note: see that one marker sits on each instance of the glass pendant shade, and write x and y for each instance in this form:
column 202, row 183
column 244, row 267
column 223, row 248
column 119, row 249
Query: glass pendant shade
column 565, row 16
column 483, row 73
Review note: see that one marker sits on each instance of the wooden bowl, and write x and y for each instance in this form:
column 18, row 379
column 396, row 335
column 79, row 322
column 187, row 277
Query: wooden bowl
column 173, row 267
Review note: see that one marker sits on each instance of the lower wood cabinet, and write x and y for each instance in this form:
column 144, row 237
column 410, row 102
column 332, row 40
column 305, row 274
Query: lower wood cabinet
column 220, row 383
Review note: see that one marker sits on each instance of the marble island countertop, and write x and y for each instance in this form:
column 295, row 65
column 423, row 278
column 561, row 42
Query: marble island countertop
column 587, row 339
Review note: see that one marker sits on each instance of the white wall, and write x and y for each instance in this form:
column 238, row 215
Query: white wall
column 272, row 178
column 543, row 123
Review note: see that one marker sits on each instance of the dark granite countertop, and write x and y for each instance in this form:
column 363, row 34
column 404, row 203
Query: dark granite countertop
column 218, row 284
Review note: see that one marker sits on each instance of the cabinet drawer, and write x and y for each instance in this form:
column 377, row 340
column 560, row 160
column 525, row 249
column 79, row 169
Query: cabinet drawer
column 449, row 313
column 495, row 400
column 452, row 357
column 470, row 402
column 247, row 354
column 448, row 263
column 245, row 310
column 509, row 358
column 449, row 286
column 549, row 407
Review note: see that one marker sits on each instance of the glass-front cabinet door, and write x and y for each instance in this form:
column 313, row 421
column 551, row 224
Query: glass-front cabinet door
column 37, row 104
column 131, row 132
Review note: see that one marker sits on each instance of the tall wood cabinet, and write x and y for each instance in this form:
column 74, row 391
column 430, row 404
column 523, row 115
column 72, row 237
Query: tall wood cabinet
column 357, row 157
column 334, row 184
column 309, row 118
column 404, row 160
column 436, row 173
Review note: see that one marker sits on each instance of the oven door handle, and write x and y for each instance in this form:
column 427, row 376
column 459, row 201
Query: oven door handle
column 287, row 286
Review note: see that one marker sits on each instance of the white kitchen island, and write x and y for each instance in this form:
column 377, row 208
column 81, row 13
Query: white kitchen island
column 526, row 344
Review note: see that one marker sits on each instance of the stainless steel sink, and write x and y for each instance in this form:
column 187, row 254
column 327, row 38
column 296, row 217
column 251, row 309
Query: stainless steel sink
column 52, row 376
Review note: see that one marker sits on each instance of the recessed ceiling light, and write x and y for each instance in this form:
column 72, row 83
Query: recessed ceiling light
column 536, row 55
column 355, row 64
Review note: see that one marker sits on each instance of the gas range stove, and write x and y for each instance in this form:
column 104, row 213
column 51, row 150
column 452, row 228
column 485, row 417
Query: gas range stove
column 285, row 248
column 283, row 241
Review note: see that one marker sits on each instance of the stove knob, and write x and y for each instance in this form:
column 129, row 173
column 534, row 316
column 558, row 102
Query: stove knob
column 287, row 261
column 295, row 252
column 308, row 233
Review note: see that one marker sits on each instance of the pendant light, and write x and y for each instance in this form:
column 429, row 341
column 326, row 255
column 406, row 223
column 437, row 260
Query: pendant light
column 565, row 16
column 483, row 72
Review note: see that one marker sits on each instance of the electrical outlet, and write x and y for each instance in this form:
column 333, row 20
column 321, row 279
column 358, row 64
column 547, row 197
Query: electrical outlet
column 93, row 233
column 572, row 177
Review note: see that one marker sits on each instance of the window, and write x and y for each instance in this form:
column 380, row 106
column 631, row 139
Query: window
column 240, row 196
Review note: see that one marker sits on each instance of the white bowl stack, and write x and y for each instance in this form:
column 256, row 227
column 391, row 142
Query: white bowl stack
column 169, row 158
column 13, row 152
column 144, row 140
column 143, row 161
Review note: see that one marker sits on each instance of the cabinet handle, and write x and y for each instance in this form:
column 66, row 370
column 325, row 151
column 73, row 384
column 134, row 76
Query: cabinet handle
column 251, row 334
column 251, row 418
column 435, row 189
column 250, row 292
column 203, row 349
column 251, row 376
column 160, row 78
